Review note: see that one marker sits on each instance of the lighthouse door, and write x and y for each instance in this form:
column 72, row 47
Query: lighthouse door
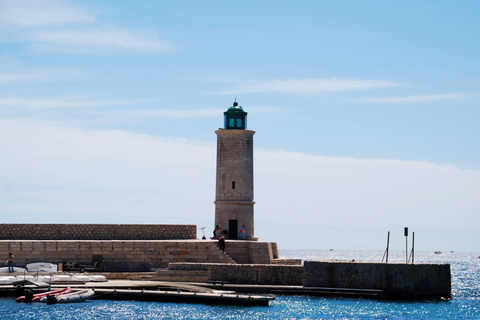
column 232, row 229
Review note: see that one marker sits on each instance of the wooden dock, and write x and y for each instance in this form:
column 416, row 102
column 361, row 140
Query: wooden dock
column 147, row 291
column 238, row 299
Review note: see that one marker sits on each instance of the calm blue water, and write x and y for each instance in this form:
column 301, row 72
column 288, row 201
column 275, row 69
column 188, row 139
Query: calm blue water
column 465, row 302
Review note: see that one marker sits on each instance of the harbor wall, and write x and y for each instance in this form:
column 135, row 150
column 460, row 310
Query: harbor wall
column 261, row 274
column 257, row 274
column 131, row 255
column 97, row 232
column 126, row 256
column 396, row 280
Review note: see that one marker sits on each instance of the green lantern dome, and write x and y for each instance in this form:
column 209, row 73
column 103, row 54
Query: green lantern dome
column 235, row 117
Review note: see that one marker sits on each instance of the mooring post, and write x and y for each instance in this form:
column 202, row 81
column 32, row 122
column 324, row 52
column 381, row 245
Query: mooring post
column 388, row 245
column 406, row 244
column 385, row 254
column 413, row 247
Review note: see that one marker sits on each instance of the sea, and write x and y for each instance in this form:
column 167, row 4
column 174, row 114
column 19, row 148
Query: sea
column 464, row 303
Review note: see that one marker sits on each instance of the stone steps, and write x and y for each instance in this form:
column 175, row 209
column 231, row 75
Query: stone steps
column 228, row 259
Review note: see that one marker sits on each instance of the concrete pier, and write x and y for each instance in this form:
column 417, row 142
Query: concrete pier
column 411, row 281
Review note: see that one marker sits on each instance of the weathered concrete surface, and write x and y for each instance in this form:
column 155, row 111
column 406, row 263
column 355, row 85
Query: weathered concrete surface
column 396, row 280
column 135, row 255
column 97, row 232
column 124, row 256
column 256, row 274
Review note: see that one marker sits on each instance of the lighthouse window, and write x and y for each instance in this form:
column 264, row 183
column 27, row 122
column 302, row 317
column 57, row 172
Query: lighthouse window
column 233, row 184
column 235, row 123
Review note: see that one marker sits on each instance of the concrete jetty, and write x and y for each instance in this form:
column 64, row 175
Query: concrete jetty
column 226, row 298
column 147, row 291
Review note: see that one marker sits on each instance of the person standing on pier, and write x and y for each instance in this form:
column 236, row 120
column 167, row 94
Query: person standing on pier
column 217, row 232
column 221, row 243
column 242, row 233
column 9, row 262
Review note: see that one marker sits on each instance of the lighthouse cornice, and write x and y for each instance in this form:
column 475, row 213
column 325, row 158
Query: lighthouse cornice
column 234, row 132
column 239, row 202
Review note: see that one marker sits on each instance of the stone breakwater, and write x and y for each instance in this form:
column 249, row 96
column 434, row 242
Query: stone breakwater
column 135, row 255
column 97, row 232
column 117, row 256
column 394, row 279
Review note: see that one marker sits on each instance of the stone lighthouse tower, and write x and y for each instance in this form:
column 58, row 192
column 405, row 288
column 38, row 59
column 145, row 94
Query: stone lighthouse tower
column 234, row 189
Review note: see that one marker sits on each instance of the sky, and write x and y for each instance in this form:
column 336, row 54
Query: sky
column 366, row 116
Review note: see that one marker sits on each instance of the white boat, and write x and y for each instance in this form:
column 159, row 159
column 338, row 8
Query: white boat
column 98, row 278
column 46, row 279
column 20, row 278
column 7, row 280
column 76, row 296
column 42, row 267
column 15, row 269
column 80, row 278
column 61, row 278
column 38, row 297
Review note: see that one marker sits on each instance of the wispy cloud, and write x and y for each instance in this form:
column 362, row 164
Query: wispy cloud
column 61, row 26
column 96, row 108
column 40, row 75
column 44, row 104
column 306, row 86
column 416, row 99
column 34, row 13
column 175, row 113
column 100, row 40
column 21, row 77
column 159, row 113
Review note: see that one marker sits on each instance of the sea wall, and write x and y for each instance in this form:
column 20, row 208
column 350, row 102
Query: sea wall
column 396, row 280
column 135, row 255
column 262, row 274
column 257, row 274
column 97, row 232
column 117, row 256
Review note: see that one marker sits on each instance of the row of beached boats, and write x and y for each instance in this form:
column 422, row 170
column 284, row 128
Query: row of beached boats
column 33, row 267
column 56, row 278
column 65, row 295
column 45, row 272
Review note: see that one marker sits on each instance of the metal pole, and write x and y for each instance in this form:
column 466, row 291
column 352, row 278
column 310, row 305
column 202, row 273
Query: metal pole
column 413, row 247
column 388, row 245
column 406, row 245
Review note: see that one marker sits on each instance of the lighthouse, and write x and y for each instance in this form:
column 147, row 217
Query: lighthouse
column 234, row 199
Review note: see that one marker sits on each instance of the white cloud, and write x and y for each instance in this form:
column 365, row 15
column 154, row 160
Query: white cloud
column 166, row 113
column 21, row 104
column 33, row 13
column 64, row 175
column 21, row 77
column 62, row 26
column 306, row 86
column 177, row 113
column 38, row 75
column 99, row 41
column 352, row 203
column 43, row 104
column 417, row 99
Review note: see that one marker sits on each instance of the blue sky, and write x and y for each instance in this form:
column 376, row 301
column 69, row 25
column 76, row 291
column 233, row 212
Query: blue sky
column 366, row 115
